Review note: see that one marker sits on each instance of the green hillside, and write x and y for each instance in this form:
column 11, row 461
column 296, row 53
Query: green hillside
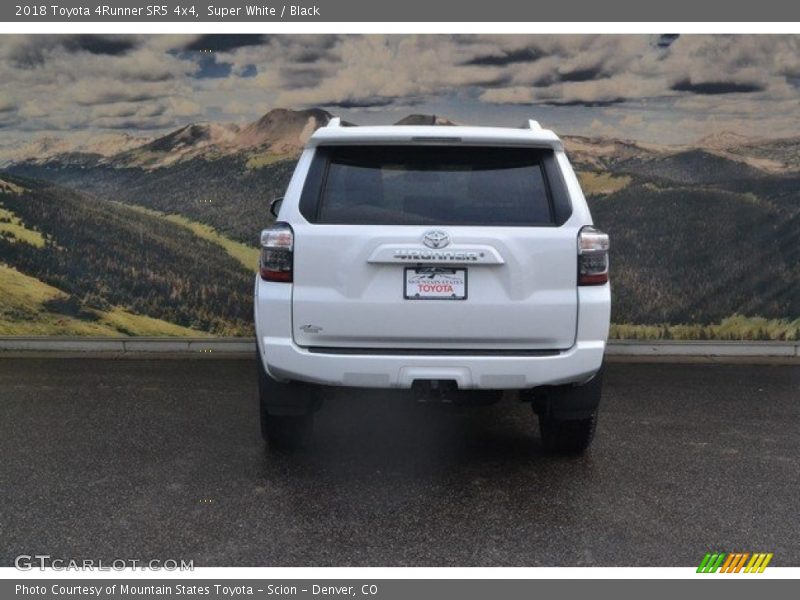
column 226, row 193
column 30, row 307
column 247, row 255
column 110, row 258
column 696, row 167
column 699, row 255
column 12, row 227
column 696, row 238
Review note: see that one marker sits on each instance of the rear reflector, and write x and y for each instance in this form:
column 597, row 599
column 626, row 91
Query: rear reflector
column 277, row 253
column 592, row 257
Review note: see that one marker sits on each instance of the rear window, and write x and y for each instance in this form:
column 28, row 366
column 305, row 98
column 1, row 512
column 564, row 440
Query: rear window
column 426, row 185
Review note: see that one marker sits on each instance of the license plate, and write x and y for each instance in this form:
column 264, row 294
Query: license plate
column 435, row 283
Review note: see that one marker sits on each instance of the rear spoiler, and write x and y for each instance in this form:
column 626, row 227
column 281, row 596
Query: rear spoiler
column 531, row 124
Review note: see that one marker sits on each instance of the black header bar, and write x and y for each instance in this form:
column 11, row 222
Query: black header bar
column 473, row 11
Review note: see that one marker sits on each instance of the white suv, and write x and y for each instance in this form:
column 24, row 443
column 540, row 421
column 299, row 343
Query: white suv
column 453, row 261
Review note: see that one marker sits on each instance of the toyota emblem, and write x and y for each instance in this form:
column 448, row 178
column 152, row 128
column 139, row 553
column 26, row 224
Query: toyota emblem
column 436, row 239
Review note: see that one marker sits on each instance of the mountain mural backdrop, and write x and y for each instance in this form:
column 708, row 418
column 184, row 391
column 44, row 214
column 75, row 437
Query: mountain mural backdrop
column 131, row 235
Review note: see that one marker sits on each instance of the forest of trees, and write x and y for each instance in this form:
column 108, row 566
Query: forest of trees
column 223, row 193
column 695, row 237
column 690, row 255
column 103, row 254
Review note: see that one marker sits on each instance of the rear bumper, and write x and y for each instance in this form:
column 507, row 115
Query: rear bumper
column 283, row 359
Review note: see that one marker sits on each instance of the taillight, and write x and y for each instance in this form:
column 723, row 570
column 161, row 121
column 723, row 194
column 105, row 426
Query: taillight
column 277, row 248
column 592, row 257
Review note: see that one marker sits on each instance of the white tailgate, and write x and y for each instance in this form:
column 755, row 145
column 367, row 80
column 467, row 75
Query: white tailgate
column 348, row 288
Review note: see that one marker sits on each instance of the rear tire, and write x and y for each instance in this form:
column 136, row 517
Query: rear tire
column 284, row 433
column 286, row 411
column 567, row 436
column 568, row 415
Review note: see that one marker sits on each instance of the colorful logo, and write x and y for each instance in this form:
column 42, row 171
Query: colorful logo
column 734, row 562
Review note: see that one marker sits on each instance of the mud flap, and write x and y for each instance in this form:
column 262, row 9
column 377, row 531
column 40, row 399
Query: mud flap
column 567, row 402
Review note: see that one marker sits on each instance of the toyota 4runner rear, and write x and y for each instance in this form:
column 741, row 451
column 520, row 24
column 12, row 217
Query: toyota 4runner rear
column 456, row 259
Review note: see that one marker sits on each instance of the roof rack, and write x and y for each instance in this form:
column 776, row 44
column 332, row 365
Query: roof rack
column 335, row 122
column 532, row 125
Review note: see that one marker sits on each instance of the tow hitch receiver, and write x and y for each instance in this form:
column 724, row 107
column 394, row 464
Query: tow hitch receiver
column 434, row 390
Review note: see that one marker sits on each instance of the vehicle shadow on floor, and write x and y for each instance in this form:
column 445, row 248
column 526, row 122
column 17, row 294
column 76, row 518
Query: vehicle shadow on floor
column 359, row 431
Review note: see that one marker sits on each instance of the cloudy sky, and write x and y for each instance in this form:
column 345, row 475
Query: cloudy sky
column 655, row 88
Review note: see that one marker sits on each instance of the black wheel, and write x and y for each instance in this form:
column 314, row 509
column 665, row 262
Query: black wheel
column 286, row 433
column 568, row 415
column 567, row 436
column 286, row 411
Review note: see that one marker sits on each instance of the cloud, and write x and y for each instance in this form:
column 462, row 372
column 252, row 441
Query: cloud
column 85, row 81
column 30, row 52
column 112, row 45
column 503, row 58
column 148, row 123
column 665, row 40
column 298, row 77
column 713, row 88
column 632, row 120
column 210, row 67
column 586, row 74
column 7, row 103
column 33, row 109
column 109, row 91
column 224, row 42
column 588, row 103
column 363, row 102
column 184, row 107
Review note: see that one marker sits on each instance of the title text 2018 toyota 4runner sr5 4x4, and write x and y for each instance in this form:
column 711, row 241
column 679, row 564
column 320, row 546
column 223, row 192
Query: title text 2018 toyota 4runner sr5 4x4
column 455, row 260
